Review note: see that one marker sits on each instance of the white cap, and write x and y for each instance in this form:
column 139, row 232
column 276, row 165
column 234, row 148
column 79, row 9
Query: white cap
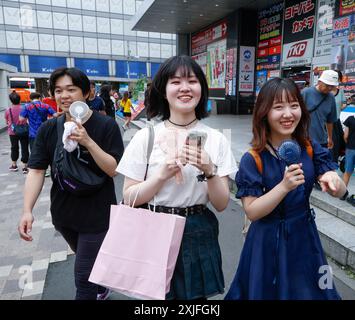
column 329, row 77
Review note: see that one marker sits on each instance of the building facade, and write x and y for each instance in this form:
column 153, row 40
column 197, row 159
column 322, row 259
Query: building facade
column 37, row 36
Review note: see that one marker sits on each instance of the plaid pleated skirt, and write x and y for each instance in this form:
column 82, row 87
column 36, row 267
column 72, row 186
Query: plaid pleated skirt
column 198, row 271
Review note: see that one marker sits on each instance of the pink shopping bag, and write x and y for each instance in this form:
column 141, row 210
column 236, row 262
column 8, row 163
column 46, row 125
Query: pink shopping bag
column 139, row 252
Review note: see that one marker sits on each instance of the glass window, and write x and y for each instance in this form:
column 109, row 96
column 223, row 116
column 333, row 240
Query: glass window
column 116, row 26
column 154, row 50
column 75, row 4
column 127, row 28
column 132, row 49
column 76, row 44
column 30, row 41
column 166, row 51
column 143, row 49
column 89, row 5
column 154, row 35
column 61, row 43
column 44, row 19
column 103, row 25
column 117, row 47
column 103, row 5
column 2, row 39
column 12, row 16
column 60, row 3
column 89, row 23
column 90, row 45
column 46, row 2
column 14, row 39
column 75, row 22
column 116, row 6
column 60, row 20
column 104, row 46
column 46, row 42
column 129, row 7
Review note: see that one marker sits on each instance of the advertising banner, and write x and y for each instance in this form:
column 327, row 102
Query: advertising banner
column 41, row 64
column 200, row 40
column 154, row 67
column 270, row 37
column 261, row 78
column 350, row 58
column 323, row 44
column 346, row 7
column 201, row 60
column 93, row 67
column 340, row 42
column 297, row 53
column 231, row 72
column 137, row 69
column 11, row 59
column 216, row 64
column 299, row 20
column 246, row 69
column 121, row 69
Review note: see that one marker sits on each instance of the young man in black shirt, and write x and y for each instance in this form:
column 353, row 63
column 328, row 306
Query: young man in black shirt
column 83, row 221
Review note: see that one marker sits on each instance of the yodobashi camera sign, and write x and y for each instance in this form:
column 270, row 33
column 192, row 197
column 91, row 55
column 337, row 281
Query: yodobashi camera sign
column 297, row 53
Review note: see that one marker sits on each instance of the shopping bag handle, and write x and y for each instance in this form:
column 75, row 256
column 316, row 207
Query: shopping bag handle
column 135, row 199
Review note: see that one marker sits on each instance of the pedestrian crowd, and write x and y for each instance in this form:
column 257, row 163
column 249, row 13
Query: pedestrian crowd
column 180, row 166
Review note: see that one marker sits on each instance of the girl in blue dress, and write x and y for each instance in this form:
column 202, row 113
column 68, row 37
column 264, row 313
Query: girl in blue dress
column 282, row 257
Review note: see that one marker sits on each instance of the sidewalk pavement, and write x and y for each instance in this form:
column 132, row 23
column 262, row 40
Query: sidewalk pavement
column 20, row 260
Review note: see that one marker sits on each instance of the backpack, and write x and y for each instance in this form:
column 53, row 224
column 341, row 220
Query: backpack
column 71, row 172
column 259, row 163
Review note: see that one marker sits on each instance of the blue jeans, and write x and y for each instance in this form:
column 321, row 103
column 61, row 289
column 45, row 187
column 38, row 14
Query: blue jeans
column 86, row 247
column 349, row 160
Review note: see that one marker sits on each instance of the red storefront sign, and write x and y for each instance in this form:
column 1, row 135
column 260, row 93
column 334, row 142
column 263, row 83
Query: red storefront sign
column 275, row 50
column 200, row 40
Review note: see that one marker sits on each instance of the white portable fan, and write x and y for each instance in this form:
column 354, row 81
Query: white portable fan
column 79, row 110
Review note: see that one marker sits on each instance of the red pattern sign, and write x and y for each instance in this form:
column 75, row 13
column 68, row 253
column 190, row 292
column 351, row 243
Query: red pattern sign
column 200, row 40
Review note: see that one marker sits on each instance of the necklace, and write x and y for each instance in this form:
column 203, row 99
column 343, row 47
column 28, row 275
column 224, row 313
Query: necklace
column 182, row 125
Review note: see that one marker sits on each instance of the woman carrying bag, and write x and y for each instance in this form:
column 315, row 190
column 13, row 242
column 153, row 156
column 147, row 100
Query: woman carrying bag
column 183, row 176
column 12, row 119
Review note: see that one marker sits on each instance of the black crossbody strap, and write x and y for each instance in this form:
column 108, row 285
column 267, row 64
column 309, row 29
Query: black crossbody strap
column 60, row 128
column 12, row 119
column 317, row 106
column 150, row 146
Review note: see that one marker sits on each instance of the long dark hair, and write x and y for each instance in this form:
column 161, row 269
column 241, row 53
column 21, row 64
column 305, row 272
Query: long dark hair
column 105, row 93
column 158, row 104
column 272, row 92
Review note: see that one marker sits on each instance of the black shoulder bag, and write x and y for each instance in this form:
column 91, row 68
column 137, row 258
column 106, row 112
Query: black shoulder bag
column 71, row 172
column 20, row 130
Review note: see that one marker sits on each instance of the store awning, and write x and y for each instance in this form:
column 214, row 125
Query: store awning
column 187, row 16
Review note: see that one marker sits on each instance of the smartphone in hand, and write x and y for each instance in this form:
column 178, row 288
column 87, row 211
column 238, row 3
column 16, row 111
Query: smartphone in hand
column 197, row 138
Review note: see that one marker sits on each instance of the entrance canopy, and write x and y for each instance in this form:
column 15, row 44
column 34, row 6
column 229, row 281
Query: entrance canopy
column 188, row 16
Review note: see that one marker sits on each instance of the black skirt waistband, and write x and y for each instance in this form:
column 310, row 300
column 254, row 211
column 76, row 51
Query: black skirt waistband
column 185, row 212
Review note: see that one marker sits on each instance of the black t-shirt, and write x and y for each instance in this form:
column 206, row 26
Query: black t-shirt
column 350, row 123
column 96, row 104
column 83, row 214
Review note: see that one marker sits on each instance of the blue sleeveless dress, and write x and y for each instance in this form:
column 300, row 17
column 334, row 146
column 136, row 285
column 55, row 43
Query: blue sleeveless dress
column 282, row 257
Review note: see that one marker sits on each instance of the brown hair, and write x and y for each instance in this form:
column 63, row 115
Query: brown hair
column 272, row 92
